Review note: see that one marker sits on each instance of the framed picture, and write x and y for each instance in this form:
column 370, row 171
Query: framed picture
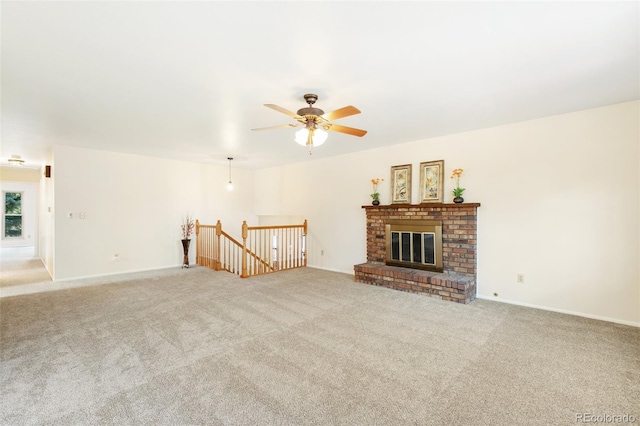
column 431, row 181
column 401, row 184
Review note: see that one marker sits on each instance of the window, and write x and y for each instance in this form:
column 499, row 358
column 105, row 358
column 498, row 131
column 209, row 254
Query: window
column 12, row 214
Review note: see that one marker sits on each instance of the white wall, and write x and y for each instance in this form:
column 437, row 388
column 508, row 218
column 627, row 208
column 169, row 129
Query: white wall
column 560, row 204
column 133, row 206
column 280, row 220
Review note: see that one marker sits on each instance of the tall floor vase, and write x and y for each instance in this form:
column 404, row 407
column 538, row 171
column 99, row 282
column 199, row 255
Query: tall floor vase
column 185, row 248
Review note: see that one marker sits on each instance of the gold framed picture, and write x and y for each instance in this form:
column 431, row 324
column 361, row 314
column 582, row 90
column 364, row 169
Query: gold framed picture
column 431, row 181
column 401, row 184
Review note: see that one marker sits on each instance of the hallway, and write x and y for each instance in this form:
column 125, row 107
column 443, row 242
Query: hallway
column 21, row 272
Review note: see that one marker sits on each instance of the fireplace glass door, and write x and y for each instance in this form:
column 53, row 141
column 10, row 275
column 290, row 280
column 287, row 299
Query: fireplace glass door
column 418, row 247
column 416, row 244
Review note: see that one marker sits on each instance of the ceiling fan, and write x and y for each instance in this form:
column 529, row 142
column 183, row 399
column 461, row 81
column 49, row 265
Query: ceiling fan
column 314, row 121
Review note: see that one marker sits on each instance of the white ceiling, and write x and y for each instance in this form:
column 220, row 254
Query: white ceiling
column 188, row 80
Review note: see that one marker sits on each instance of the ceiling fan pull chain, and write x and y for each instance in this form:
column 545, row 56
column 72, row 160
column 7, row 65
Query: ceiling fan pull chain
column 310, row 137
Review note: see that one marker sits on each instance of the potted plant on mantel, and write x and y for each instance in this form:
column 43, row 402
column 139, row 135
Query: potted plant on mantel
column 376, row 195
column 457, row 191
column 187, row 229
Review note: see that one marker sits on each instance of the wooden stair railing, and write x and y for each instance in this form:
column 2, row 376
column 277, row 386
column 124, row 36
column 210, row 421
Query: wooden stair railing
column 264, row 249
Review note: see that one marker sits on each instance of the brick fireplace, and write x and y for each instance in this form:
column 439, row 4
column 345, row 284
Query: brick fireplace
column 456, row 282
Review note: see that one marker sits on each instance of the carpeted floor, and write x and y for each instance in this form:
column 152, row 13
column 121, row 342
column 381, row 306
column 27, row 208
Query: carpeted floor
column 182, row 347
column 19, row 266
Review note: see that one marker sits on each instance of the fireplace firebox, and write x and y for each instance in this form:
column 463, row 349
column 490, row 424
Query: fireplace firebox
column 414, row 244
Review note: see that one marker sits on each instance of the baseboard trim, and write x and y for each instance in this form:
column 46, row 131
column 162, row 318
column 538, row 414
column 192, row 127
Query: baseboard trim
column 110, row 274
column 561, row 311
column 331, row 269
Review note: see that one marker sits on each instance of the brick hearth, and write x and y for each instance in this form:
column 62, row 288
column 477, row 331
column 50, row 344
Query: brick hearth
column 456, row 283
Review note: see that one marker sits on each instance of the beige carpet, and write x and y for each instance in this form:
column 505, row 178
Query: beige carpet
column 302, row 347
column 19, row 266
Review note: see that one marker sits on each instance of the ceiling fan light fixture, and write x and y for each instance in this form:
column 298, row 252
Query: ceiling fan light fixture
column 317, row 138
column 301, row 136
column 230, row 184
column 16, row 160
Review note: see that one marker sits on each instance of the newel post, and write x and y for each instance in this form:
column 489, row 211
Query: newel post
column 217, row 246
column 244, row 250
column 304, row 244
column 197, row 242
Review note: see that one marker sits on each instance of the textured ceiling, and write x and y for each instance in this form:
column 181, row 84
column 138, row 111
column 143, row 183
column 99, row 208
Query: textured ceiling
column 188, row 80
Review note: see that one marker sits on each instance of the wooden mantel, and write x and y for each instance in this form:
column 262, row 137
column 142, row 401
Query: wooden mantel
column 423, row 205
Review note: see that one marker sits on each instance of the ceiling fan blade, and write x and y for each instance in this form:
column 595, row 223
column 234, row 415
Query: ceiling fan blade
column 284, row 111
column 344, row 129
column 340, row 113
column 277, row 127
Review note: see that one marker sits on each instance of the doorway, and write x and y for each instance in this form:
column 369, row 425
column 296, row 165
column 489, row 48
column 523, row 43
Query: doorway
column 20, row 264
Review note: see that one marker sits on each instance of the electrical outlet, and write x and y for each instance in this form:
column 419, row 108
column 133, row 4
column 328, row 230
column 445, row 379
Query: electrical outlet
column 521, row 278
column 115, row 257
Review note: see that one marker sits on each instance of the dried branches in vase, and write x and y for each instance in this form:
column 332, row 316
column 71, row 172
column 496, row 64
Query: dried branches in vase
column 187, row 229
column 187, row 226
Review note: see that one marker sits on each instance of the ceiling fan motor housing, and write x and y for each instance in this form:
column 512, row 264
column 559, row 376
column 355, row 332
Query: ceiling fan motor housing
column 310, row 111
column 310, row 99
